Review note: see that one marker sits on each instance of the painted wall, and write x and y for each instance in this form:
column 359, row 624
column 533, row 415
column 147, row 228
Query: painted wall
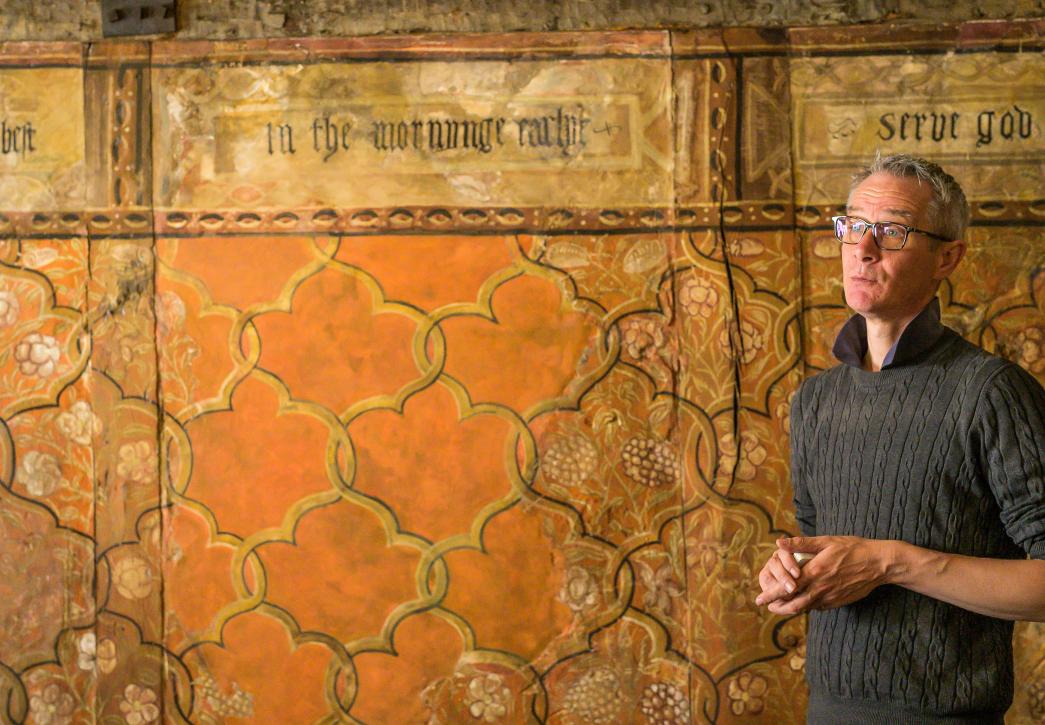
column 446, row 379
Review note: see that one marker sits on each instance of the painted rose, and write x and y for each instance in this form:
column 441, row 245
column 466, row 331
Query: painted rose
column 39, row 473
column 133, row 577
column 746, row 692
column 752, row 455
column 53, row 706
column 579, row 591
column 698, row 297
column 136, row 462
column 9, row 308
column 642, row 339
column 488, row 698
column 87, row 652
column 138, row 705
column 745, row 344
column 37, row 355
column 79, row 424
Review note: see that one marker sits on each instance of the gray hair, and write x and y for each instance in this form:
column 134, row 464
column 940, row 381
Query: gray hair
column 948, row 212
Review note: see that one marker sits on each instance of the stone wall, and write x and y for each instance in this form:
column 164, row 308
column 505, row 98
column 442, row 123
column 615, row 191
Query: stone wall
column 229, row 19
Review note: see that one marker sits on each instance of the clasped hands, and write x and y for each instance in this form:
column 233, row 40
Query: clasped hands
column 843, row 569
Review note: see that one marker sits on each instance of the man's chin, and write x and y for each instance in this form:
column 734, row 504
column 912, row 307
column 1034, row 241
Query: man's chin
column 860, row 302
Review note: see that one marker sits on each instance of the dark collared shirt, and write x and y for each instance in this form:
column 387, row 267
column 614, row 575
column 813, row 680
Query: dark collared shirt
column 919, row 335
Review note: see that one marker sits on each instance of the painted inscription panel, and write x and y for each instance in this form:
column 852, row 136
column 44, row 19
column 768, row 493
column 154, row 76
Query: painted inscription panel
column 424, row 132
column 41, row 138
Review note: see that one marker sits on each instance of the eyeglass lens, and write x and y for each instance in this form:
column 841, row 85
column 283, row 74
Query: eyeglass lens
column 887, row 235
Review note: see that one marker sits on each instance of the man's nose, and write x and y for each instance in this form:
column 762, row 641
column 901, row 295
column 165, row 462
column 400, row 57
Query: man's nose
column 866, row 250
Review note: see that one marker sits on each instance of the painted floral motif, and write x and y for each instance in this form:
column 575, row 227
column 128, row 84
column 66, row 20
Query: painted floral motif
column 170, row 313
column 105, row 656
column 53, row 706
column 1028, row 349
column 642, row 338
column 596, row 697
column 136, row 461
column 651, row 462
column 664, row 704
column 133, row 577
column 9, row 308
column 644, row 256
column 38, row 355
column 138, row 705
column 239, row 704
column 567, row 255
column 580, row 590
column 661, row 586
column 708, row 552
column 783, row 411
column 745, row 247
column 570, row 461
column 697, row 297
column 797, row 660
column 752, row 455
column 745, row 343
column 1036, row 700
column 131, row 256
column 488, row 698
column 39, row 473
column 39, row 257
column 746, row 691
column 79, row 424
column 87, row 652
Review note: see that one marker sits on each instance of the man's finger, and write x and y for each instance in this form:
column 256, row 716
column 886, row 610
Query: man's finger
column 789, row 563
column 774, row 593
column 791, row 606
column 805, row 544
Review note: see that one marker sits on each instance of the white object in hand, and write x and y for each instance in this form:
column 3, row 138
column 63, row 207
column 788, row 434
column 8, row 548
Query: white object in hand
column 802, row 557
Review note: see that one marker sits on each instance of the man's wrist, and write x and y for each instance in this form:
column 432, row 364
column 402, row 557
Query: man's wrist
column 894, row 562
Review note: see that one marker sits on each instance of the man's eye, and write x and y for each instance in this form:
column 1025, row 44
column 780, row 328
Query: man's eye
column 891, row 231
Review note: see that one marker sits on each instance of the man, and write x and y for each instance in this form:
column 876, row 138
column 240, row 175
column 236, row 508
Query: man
column 918, row 467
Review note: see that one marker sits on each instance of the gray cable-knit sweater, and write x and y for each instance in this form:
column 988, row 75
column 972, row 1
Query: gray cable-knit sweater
column 946, row 452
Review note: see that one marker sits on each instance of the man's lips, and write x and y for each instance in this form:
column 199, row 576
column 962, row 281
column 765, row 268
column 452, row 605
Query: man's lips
column 863, row 280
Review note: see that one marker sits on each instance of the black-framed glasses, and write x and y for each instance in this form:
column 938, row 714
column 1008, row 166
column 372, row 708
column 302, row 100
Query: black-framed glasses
column 887, row 235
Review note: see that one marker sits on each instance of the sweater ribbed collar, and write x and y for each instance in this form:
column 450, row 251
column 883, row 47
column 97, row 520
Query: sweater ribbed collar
column 916, row 339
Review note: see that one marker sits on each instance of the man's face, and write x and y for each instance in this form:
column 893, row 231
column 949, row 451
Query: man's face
column 884, row 285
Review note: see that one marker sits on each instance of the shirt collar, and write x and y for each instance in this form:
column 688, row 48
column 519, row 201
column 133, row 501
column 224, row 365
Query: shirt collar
column 920, row 334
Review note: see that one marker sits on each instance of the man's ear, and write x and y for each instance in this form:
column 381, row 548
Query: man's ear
column 948, row 256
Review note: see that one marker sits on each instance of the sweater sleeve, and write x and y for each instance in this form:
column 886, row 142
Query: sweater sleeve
column 1011, row 421
column 805, row 510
